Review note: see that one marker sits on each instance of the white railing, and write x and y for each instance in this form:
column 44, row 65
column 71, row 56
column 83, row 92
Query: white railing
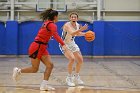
column 12, row 6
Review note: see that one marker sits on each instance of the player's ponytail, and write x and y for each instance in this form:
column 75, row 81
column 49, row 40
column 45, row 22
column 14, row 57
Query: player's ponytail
column 48, row 14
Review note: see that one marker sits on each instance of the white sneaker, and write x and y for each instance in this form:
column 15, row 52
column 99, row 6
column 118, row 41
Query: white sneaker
column 45, row 87
column 69, row 81
column 79, row 81
column 16, row 73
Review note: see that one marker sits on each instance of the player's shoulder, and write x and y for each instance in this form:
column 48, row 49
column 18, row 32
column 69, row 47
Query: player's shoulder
column 49, row 22
column 52, row 24
column 67, row 24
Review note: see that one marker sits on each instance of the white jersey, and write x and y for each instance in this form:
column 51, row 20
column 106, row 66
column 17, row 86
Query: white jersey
column 66, row 36
column 69, row 39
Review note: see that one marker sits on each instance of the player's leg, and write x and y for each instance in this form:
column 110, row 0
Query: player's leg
column 34, row 61
column 33, row 69
column 69, row 79
column 46, row 60
column 79, row 60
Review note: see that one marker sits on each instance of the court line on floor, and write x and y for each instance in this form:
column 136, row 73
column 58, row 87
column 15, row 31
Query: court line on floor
column 117, row 74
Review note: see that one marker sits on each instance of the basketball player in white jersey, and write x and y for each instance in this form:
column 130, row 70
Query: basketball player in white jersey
column 72, row 29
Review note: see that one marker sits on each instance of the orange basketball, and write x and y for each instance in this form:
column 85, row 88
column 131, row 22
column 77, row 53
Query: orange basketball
column 89, row 36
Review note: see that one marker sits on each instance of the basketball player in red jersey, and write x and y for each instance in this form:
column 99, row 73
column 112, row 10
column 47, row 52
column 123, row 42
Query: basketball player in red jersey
column 37, row 49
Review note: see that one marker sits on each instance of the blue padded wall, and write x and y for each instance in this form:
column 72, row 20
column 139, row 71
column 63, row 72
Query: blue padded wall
column 122, row 38
column 113, row 38
column 98, row 28
column 26, row 34
column 11, row 39
column 2, row 38
column 117, row 38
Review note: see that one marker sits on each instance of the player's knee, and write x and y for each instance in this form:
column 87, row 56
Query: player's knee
column 80, row 61
column 50, row 66
column 71, row 60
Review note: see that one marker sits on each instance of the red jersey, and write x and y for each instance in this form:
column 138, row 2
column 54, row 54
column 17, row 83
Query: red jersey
column 38, row 48
column 48, row 30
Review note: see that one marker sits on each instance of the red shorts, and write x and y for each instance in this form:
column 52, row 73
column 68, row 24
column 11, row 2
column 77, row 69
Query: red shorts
column 42, row 50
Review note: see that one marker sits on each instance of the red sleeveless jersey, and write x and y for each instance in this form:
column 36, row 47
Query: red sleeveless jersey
column 36, row 49
column 48, row 30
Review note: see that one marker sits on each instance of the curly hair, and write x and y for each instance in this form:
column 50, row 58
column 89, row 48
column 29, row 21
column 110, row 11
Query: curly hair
column 48, row 14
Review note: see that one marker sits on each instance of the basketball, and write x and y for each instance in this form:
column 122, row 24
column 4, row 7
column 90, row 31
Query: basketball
column 89, row 36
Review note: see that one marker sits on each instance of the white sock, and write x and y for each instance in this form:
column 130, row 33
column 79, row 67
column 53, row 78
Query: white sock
column 45, row 82
column 19, row 70
column 69, row 75
column 77, row 75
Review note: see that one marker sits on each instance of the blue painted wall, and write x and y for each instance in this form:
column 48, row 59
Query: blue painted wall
column 113, row 38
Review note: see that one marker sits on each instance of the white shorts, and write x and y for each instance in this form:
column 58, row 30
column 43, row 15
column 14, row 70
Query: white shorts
column 72, row 46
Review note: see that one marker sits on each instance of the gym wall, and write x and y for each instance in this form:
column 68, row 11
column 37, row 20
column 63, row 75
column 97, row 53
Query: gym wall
column 113, row 38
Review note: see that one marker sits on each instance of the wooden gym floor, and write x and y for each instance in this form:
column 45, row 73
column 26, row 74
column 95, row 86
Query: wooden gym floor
column 100, row 76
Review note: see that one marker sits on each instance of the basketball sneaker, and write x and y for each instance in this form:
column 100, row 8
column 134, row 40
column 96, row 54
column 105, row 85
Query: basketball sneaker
column 16, row 73
column 69, row 81
column 45, row 87
column 78, row 80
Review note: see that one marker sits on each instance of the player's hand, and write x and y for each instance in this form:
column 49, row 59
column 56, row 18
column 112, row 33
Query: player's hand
column 64, row 48
column 84, row 27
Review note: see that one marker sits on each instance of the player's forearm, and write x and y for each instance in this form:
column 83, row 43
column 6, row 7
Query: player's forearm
column 58, row 39
column 76, row 32
column 81, row 34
